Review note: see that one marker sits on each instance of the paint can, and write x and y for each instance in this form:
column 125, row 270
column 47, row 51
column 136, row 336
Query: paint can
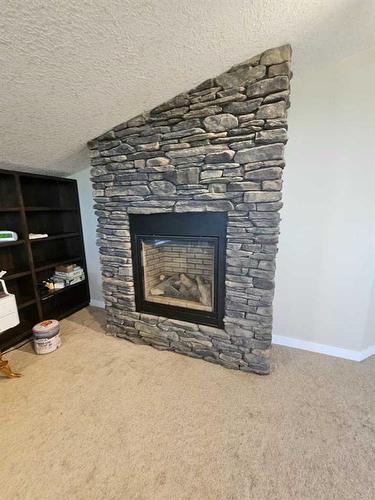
column 46, row 336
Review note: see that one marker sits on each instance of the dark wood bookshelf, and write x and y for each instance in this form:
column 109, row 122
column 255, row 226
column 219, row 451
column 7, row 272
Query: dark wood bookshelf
column 54, row 237
column 11, row 243
column 47, row 264
column 10, row 209
column 51, row 209
column 40, row 204
column 47, row 295
column 27, row 303
column 12, row 274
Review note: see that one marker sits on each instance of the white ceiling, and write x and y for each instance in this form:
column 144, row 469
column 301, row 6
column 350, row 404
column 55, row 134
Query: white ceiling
column 75, row 68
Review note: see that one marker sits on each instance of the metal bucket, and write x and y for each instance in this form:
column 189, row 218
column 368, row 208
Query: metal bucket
column 46, row 336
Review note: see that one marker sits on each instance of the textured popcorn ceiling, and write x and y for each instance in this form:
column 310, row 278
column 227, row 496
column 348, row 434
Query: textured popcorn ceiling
column 71, row 70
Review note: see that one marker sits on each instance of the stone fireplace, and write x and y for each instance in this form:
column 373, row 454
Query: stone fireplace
column 187, row 199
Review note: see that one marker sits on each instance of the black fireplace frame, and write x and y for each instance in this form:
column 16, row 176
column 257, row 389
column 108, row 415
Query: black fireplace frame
column 210, row 226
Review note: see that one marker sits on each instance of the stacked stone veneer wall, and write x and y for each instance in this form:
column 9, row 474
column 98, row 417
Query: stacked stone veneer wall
column 218, row 147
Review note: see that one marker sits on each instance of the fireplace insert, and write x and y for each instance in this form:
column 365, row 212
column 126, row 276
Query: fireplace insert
column 179, row 265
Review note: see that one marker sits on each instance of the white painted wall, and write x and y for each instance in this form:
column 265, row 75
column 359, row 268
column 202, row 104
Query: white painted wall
column 369, row 337
column 326, row 262
column 89, row 234
column 325, row 292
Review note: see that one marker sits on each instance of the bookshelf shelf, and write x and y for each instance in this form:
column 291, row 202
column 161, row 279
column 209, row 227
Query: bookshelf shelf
column 48, row 295
column 50, row 209
column 9, row 209
column 11, row 243
column 53, row 263
column 55, row 237
column 12, row 275
column 27, row 303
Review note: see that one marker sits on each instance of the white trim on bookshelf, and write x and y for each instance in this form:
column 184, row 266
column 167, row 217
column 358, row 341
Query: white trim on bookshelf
column 329, row 350
column 97, row 303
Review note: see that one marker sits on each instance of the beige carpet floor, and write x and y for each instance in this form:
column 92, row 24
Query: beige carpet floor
column 102, row 418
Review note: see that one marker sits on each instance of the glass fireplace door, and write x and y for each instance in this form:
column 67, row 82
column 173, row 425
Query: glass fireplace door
column 179, row 272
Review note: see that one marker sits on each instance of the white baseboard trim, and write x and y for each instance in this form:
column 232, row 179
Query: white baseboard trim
column 370, row 351
column 97, row 303
column 329, row 350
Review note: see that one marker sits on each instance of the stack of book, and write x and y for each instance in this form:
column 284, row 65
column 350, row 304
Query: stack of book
column 67, row 275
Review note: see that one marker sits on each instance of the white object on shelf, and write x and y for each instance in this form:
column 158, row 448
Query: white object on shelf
column 37, row 236
column 8, row 236
column 8, row 307
column 59, row 285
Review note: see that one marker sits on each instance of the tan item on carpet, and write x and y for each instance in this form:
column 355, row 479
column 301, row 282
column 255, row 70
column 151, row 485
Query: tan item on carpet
column 6, row 370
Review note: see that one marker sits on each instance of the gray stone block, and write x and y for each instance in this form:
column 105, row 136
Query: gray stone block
column 280, row 69
column 186, row 124
column 249, row 143
column 243, row 186
column 183, row 133
column 272, row 185
column 188, row 161
column 214, row 332
column 220, row 123
column 182, row 324
column 187, row 175
column 261, row 196
column 158, row 161
column 271, row 136
column 264, row 311
column 276, row 55
column 211, row 174
column 127, row 191
column 242, row 107
column 274, row 110
column 148, row 210
column 219, row 157
column 146, row 328
column 260, row 153
column 269, row 207
column 268, row 86
column 172, row 113
column 263, row 283
column 277, row 96
column 241, row 76
column 276, row 123
column 220, row 166
column 195, row 151
column 264, row 174
column 162, row 188
column 217, row 188
column 219, row 101
column 202, row 206
column 201, row 113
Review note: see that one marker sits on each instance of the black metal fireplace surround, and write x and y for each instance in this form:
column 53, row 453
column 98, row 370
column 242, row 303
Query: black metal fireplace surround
column 180, row 251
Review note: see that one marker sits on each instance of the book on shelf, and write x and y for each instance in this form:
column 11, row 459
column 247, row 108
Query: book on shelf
column 37, row 236
column 65, row 268
column 75, row 275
